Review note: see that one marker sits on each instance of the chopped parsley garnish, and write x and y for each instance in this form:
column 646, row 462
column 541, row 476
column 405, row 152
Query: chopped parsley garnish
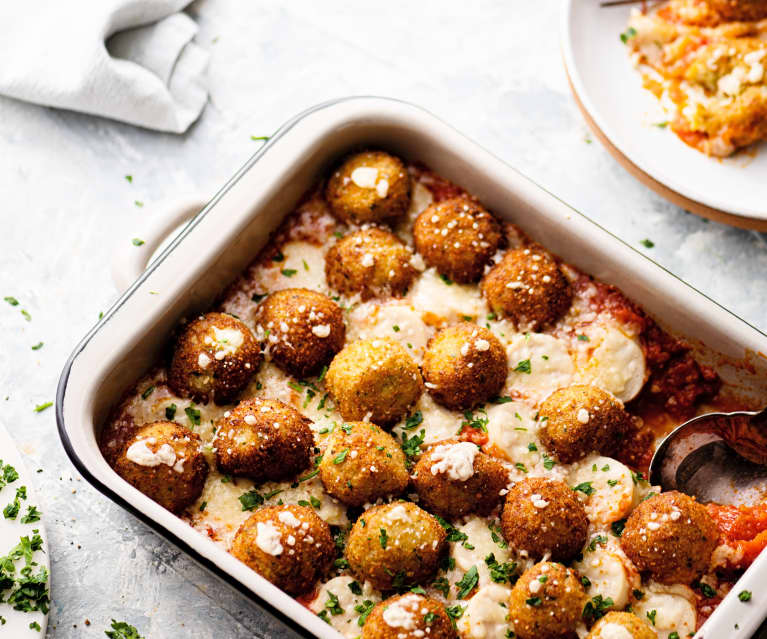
column 32, row 515
column 341, row 456
column 29, row 592
column 137, row 241
column 505, row 399
column 455, row 612
column 533, row 601
column 147, row 392
column 203, row 506
column 583, row 338
column 468, row 582
column 257, row 297
column 429, row 618
column 364, row 609
column 139, row 204
column 170, row 411
column 661, row 125
column 523, row 367
column 617, row 527
column 600, row 540
column 628, row 34
column 383, row 537
column 612, row 482
column 193, row 415
column 585, row 581
column 412, row 446
column 332, row 605
column 501, row 573
column 309, row 476
column 122, row 630
column 35, row 626
column 638, row 594
column 260, row 138
column 11, row 300
column 496, row 536
column 37, row 346
column 674, row 635
column 473, row 420
column 11, row 511
column 316, row 503
column 129, row 178
column 9, row 474
column 355, row 587
column 453, row 534
column 744, row 595
column 707, row 591
column 250, row 500
column 288, row 272
column 585, row 487
column 548, row 462
column 651, row 616
column 446, row 280
column 41, row 407
column 441, row 585
column 647, row 243
column 25, row 314
column 521, row 467
column 413, row 420
column 532, row 447
column 597, row 607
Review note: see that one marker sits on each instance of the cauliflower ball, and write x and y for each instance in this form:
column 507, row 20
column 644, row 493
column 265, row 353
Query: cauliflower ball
column 528, row 287
column 464, row 365
column 165, row 462
column 371, row 186
column 397, row 543
column 454, row 478
column 302, row 329
column 544, row 516
column 263, row 439
column 578, row 420
column 374, row 380
column 409, row 616
column 458, row 237
column 288, row 545
column 671, row 536
column 546, row 602
column 625, row 625
column 215, row 357
column 362, row 463
column 739, row 10
column 371, row 262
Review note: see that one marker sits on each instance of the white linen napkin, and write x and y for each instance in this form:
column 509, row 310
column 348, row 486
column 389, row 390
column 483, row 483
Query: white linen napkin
column 130, row 60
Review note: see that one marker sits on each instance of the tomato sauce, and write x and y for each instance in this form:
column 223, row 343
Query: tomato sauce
column 742, row 528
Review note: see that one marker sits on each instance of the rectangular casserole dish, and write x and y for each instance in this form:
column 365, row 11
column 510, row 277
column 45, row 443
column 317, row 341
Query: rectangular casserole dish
column 222, row 239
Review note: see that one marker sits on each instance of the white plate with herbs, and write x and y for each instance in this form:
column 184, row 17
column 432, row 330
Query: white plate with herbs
column 24, row 556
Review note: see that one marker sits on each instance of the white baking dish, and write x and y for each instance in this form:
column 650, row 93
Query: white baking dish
column 227, row 233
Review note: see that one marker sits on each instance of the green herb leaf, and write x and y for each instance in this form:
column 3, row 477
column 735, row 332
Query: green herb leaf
column 585, row 487
column 468, row 582
column 147, row 392
column 341, row 456
column 288, row 272
column 41, row 407
column 523, row 367
column 628, row 34
column 137, row 241
column 37, row 346
column 647, row 243
column 744, row 595
column 122, row 630
column 383, row 538
column 193, row 415
column 11, row 300
column 170, row 412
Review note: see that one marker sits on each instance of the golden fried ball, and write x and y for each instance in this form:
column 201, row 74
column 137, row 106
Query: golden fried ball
column 397, row 543
column 458, row 237
column 528, row 287
column 214, row 358
column 621, row 624
column 409, row 616
column 362, row 463
column 263, row 439
column 371, row 186
column 580, row 419
column 302, row 329
column 740, row 10
column 371, row 262
column 165, row 462
column 544, row 516
column 374, row 379
column 671, row 536
column 454, row 478
column 546, row 602
column 288, row 545
column 464, row 365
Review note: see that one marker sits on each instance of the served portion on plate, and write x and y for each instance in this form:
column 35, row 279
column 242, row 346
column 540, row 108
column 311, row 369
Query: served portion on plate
column 421, row 423
column 705, row 61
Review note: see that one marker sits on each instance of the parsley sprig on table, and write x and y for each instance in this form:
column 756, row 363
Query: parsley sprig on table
column 122, row 630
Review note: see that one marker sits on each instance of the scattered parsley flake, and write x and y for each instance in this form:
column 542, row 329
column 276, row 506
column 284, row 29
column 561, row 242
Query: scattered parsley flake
column 647, row 243
column 651, row 616
column 468, row 582
column 129, row 178
column 585, row 487
column 383, row 538
column 137, row 241
column 744, row 595
column 147, row 392
column 138, row 203
column 628, row 34
column 341, row 456
column 193, row 415
column 446, row 279
column 523, row 367
column 413, row 420
column 288, row 272
column 11, row 300
column 122, row 630
column 41, row 407
column 37, row 346
column 26, row 315
column 259, row 138
column 170, row 412
column 583, row 338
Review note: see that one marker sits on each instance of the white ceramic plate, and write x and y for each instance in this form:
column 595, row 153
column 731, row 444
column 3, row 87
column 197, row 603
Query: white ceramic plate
column 16, row 622
column 610, row 90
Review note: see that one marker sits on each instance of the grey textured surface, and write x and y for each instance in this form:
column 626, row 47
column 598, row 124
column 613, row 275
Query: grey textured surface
column 494, row 72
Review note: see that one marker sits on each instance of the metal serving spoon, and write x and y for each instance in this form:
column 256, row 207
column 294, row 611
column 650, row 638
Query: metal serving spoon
column 717, row 457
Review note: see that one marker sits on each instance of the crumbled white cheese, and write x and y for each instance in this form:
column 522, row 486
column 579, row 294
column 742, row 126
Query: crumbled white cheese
column 382, row 188
column 367, row 260
column 203, row 360
column 398, row 616
column 227, row 340
column 456, row 460
column 250, row 420
column 614, row 631
column 321, row 330
column 482, row 345
column 268, row 538
column 140, row 453
column 365, row 177
column 287, row 517
column 583, row 416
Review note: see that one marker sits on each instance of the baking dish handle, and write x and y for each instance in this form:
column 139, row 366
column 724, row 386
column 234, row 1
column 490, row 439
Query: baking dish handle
column 132, row 256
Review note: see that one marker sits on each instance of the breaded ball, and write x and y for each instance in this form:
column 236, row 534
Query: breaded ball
column 362, row 463
column 263, row 439
column 397, row 543
column 454, row 478
column 621, row 624
column 546, row 602
column 580, row 419
column 165, row 462
column 409, row 616
column 544, row 516
column 528, row 287
column 215, row 357
column 302, row 329
column 371, row 186
column 374, row 380
column 371, row 262
column 671, row 536
column 740, row 10
column 288, row 545
column 458, row 237
column 464, row 365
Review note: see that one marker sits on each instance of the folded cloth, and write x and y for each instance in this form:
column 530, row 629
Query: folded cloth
column 130, row 60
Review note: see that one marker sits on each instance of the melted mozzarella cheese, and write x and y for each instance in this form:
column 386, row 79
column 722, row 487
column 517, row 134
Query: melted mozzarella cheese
column 608, row 575
column 480, row 539
column 347, row 621
column 485, row 616
column 548, row 361
column 614, row 493
column 442, row 303
column 674, row 608
column 613, row 361
column 303, row 267
column 419, row 200
column 396, row 319
column 512, row 433
column 438, row 422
